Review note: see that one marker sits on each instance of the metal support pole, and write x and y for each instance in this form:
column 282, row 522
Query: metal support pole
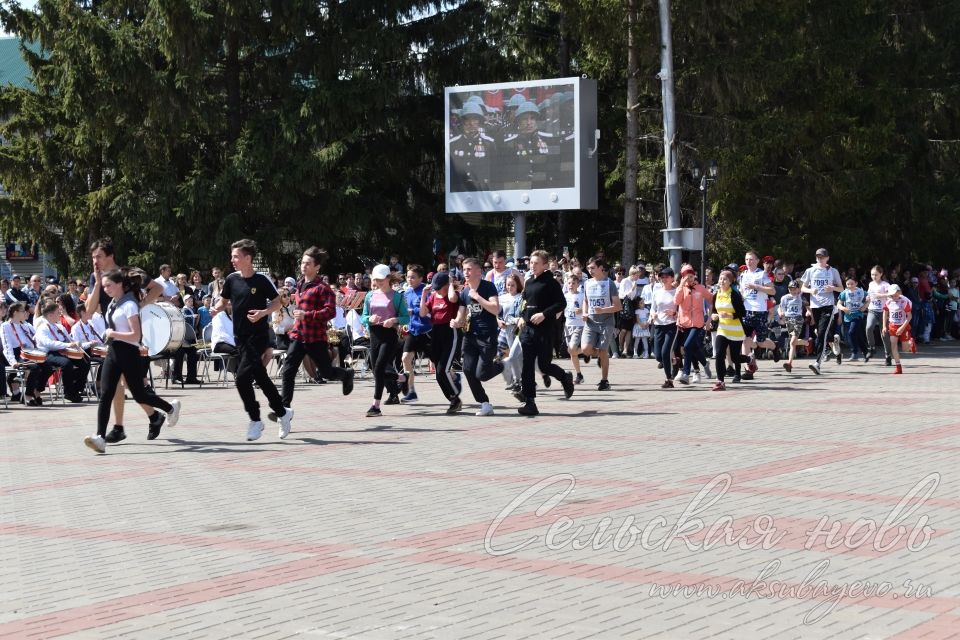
column 669, row 135
column 703, row 230
column 519, row 234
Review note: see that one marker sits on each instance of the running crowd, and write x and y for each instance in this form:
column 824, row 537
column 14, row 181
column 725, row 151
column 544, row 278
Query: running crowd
column 482, row 318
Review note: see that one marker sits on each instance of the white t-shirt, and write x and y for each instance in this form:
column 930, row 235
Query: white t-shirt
column 818, row 278
column 791, row 305
column 121, row 318
column 875, row 288
column 664, row 300
column 572, row 311
column 754, row 300
column 599, row 294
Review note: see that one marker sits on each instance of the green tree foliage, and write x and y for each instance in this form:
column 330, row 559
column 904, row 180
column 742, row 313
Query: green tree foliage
column 177, row 127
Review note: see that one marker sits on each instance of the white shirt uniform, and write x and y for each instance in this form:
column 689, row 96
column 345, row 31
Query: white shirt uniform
column 599, row 294
column 85, row 334
column 572, row 311
column 874, row 291
column 52, row 337
column 818, row 278
column 754, row 300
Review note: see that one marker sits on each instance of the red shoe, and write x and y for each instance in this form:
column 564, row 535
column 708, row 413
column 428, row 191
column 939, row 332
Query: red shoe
column 752, row 365
column 787, row 367
column 899, row 369
column 913, row 345
column 719, row 386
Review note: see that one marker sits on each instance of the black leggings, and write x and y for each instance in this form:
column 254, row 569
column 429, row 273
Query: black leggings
column 722, row 345
column 383, row 351
column 823, row 321
column 124, row 359
column 444, row 342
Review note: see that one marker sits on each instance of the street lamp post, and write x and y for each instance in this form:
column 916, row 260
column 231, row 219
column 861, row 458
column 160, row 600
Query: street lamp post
column 706, row 179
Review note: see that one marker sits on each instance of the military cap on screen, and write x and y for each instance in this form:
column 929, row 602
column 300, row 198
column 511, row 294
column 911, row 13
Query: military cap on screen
column 528, row 107
column 471, row 109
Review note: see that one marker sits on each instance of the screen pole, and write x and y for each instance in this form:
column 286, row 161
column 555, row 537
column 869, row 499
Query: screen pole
column 519, row 235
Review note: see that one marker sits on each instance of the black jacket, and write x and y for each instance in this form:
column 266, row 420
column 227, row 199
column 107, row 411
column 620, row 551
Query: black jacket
column 543, row 294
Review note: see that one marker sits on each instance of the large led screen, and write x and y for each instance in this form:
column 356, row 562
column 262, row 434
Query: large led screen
column 521, row 146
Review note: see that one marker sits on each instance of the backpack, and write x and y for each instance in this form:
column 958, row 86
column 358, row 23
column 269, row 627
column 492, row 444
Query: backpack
column 629, row 307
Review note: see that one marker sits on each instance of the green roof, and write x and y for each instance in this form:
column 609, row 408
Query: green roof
column 13, row 68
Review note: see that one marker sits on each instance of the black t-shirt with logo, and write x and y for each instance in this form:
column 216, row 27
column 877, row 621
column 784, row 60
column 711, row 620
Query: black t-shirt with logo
column 482, row 322
column 249, row 294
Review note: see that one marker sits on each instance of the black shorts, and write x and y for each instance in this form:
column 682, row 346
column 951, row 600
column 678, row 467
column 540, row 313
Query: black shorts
column 420, row 343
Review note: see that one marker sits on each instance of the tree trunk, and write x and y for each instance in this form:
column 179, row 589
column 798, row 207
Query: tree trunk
column 629, row 254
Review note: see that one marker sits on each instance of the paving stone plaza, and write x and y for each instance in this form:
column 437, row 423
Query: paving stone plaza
column 792, row 506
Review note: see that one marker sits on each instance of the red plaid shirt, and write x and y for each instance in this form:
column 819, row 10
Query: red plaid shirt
column 319, row 305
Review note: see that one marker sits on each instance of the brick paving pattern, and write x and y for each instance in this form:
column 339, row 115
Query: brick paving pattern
column 584, row 522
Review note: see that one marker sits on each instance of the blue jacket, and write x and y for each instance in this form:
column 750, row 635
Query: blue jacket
column 418, row 325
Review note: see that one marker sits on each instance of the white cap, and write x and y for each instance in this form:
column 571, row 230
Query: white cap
column 893, row 288
column 380, row 272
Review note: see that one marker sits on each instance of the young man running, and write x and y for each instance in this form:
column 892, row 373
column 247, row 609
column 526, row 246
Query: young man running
column 254, row 298
column 543, row 300
column 600, row 306
column 477, row 318
column 316, row 304
column 755, row 286
column 418, row 334
column 821, row 281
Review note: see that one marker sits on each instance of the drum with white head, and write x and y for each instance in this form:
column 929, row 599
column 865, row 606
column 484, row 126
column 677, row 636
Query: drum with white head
column 163, row 327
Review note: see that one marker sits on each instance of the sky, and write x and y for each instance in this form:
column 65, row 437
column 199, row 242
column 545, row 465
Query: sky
column 23, row 3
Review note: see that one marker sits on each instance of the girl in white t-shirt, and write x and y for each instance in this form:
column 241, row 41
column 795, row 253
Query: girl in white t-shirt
column 123, row 336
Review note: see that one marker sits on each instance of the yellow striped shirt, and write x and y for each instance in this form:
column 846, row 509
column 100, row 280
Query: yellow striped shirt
column 729, row 328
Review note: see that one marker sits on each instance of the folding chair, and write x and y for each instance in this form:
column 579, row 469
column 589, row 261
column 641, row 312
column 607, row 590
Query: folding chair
column 206, row 355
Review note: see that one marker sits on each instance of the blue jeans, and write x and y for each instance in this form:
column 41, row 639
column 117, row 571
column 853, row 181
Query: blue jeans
column 692, row 347
column 856, row 339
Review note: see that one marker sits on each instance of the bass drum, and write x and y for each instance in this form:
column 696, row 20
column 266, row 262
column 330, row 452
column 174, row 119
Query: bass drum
column 163, row 328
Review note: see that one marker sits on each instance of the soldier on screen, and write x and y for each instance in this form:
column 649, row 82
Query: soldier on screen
column 472, row 153
column 529, row 158
column 565, row 135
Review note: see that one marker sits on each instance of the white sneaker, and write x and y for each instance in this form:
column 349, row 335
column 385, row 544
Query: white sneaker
column 254, row 430
column 707, row 370
column 815, row 367
column 682, row 378
column 97, row 443
column 285, row 421
column 486, row 409
column 174, row 415
column 695, row 377
column 835, row 345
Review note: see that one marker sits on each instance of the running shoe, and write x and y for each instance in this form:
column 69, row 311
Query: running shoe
column 97, row 443
column 567, row 383
column 719, row 386
column 285, row 420
column 116, row 435
column 410, row 398
column 486, row 409
column 455, row 406
column 254, row 429
column 374, row 412
column 604, row 385
column 578, row 379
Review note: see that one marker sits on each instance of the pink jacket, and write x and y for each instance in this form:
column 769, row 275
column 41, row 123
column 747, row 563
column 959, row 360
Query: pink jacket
column 692, row 305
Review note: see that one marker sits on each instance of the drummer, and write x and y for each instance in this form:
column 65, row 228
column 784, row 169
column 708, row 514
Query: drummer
column 123, row 359
column 17, row 337
column 84, row 332
column 53, row 339
column 103, row 258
